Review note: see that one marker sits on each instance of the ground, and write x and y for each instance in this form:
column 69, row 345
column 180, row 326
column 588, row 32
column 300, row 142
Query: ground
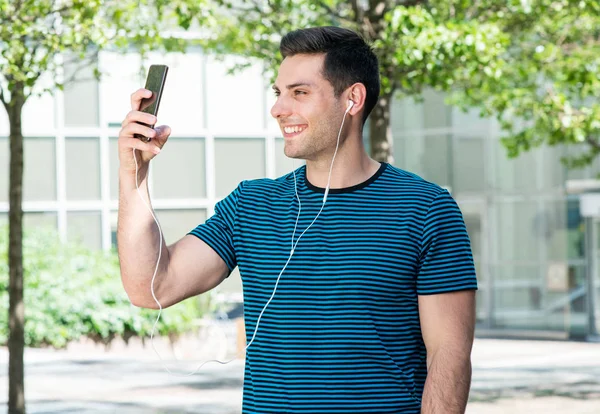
column 509, row 376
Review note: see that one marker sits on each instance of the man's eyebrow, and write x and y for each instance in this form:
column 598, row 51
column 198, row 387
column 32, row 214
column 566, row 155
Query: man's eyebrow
column 294, row 85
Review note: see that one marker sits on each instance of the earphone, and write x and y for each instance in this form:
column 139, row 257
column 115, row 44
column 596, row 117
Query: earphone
column 294, row 244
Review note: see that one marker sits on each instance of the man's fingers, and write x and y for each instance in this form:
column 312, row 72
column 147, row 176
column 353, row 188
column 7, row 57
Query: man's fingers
column 135, row 128
column 139, row 145
column 137, row 96
column 137, row 116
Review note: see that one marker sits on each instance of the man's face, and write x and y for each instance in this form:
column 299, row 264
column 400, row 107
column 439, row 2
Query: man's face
column 306, row 109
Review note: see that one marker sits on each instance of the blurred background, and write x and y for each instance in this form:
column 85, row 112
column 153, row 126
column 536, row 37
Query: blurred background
column 494, row 101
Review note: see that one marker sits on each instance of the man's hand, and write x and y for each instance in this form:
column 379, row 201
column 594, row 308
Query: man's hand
column 130, row 127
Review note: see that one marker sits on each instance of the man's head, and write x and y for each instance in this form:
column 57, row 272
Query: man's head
column 323, row 68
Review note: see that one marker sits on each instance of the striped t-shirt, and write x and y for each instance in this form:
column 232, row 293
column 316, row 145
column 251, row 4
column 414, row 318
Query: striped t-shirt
column 342, row 334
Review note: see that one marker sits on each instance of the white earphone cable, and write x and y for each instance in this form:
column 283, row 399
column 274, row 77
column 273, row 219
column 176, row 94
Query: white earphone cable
column 297, row 219
column 294, row 244
column 152, row 286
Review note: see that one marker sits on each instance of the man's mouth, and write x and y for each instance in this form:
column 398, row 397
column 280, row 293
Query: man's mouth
column 292, row 130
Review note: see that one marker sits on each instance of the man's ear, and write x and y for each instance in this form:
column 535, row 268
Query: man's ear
column 357, row 93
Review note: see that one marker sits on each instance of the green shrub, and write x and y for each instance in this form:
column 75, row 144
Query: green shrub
column 71, row 291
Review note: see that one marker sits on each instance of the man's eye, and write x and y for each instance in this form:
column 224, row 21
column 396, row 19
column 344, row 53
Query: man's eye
column 299, row 93
column 276, row 93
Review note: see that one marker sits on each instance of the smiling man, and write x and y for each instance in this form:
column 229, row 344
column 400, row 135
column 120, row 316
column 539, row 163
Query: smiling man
column 358, row 277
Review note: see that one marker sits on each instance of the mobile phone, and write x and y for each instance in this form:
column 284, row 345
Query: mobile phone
column 155, row 82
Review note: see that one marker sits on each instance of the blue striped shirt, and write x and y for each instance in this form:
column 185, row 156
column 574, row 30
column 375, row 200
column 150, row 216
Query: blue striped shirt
column 342, row 334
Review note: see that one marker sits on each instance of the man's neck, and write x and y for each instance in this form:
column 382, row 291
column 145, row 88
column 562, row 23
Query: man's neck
column 350, row 168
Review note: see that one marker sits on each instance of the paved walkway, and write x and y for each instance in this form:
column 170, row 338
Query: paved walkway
column 508, row 377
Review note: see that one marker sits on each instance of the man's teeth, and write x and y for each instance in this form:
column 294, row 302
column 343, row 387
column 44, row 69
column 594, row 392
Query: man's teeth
column 293, row 129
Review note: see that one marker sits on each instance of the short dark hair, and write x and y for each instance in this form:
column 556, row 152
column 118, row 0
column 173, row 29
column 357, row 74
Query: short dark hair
column 348, row 58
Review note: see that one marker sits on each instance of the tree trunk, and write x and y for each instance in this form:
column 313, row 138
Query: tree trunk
column 16, row 310
column 371, row 23
column 380, row 133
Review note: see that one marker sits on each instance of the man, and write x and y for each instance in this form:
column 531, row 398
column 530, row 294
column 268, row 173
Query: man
column 371, row 305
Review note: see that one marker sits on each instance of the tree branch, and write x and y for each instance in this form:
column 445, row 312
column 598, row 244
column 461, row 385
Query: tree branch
column 17, row 8
column 358, row 18
column 593, row 143
column 3, row 99
column 334, row 13
column 410, row 3
column 83, row 63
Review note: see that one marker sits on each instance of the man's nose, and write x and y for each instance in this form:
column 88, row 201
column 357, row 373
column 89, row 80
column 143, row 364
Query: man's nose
column 281, row 108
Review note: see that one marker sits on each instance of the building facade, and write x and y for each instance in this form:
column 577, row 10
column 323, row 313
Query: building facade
column 536, row 253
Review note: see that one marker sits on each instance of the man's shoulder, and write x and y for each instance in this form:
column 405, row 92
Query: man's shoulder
column 406, row 183
column 260, row 186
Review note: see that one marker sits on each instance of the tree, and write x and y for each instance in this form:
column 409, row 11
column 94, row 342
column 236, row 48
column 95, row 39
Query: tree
column 38, row 37
column 415, row 49
column 533, row 64
column 548, row 90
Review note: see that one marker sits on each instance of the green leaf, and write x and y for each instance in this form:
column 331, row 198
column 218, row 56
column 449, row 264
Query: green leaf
column 73, row 292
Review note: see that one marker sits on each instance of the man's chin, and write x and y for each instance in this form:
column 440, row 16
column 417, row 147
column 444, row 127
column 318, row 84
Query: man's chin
column 293, row 153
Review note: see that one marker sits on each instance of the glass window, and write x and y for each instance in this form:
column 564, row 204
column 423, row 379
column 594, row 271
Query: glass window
column 406, row 115
column 233, row 284
column 594, row 168
column 33, row 221
column 43, row 220
column 555, row 172
column 473, row 216
column 283, row 164
column 121, row 76
column 174, row 223
column 4, row 124
column 410, row 115
column 236, row 102
column 39, row 176
column 437, row 159
column 85, row 227
column 578, row 173
column 565, row 234
column 408, row 152
column 515, row 174
column 272, row 124
column 522, row 302
column 5, row 169
column 516, row 287
column 237, row 160
column 177, row 223
column 427, row 156
column 521, row 229
column 179, row 170
column 470, row 121
column 182, row 103
column 39, row 111
column 83, row 168
column 575, row 228
column 482, row 314
column 80, row 95
column 469, row 162
column 517, row 298
column 436, row 114
column 113, row 163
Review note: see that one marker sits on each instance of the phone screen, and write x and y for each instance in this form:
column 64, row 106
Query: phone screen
column 155, row 82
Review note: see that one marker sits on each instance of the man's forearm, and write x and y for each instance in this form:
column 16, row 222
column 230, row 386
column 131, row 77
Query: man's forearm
column 448, row 383
column 138, row 238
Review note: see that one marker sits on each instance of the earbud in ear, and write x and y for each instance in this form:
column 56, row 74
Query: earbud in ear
column 350, row 104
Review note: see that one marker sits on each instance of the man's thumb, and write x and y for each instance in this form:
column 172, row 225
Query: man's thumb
column 162, row 134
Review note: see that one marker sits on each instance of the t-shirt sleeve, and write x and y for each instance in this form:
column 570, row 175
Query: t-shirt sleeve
column 446, row 261
column 218, row 231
